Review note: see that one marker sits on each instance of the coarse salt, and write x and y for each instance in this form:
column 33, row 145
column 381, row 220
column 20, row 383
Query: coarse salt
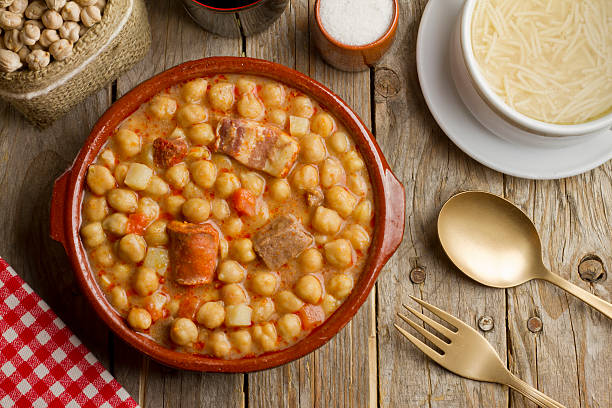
column 356, row 22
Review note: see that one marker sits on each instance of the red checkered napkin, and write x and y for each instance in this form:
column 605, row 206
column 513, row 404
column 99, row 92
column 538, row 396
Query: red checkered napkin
column 41, row 362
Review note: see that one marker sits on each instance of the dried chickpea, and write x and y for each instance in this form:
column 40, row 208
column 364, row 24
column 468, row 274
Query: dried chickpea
column 139, row 318
column 23, row 54
column 191, row 114
column 221, row 96
column 230, row 272
column 363, row 212
column 341, row 200
column 249, row 106
column 95, row 208
column 233, row 294
column 287, row 302
column 253, row 182
column 30, row 34
column 122, row 200
column 116, row 224
column 118, row 298
column 352, row 162
column 340, row 286
column 338, row 142
column 359, row 237
column 326, row 221
column 52, row 19
column 157, row 187
column 242, row 250
column 306, row 177
column 155, row 234
column 18, row 6
column 309, row 289
column 162, row 107
column 196, row 210
column 312, row 148
column 132, row 248
column 220, row 209
column 70, row 31
column 264, row 283
column 302, row 106
column 103, row 256
column 211, row 315
column 127, row 142
column 99, row 179
column 55, row 4
column 322, row 124
column 93, row 234
column 263, row 309
column 201, row 134
column 289, row 326
column 226, row 184
column 332, row 173
column 145, row 281
column 278, row 117
column 35, row 10
column 204, row 173
column 280, row 190
column 339, row 253
column 265, row 335
column 10, row 20
column 233, row 226
column 219, row 344
column 61, row 49
column 178, row 175
column 183, row 331
column 90, row 16
column 273, row 94
column 174, row 204
column 12, row 40
column 71, row 12
column 241, row 339
column 310, row 260
column 85, row 3
column 194, row 90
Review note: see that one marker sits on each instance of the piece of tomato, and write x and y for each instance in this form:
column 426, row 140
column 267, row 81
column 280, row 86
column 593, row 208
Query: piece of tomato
column 311, row 316
column 137, row 223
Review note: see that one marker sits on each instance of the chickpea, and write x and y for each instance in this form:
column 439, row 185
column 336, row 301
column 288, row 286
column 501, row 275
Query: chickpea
column 321, row 239
column 265, row 335
column 233, row 294
column 177, row 175
column 241, row 339
column 238, row 315
column 306, row 177
column 278, row 117
column 192, row 191
column 220, row 209
column 302, row 106
column 139, row 318
column 313, row 149
column 132, row 248
column 253, row 182
column 287, row 302
column 332, row 173
column 261, row 217
column 108, row 159
column 264, row 283
column 223, row 248
column 340, row 286
column 174, row 205
column 289, row 326
column 242, row 250
column 363, row 212
column 103, row 256
column 353, row 162
column 149, row 208
column 233, row 226
column 122, row 273
column 121, row 172
column 211, row 315
column 310, row 260
column 219, row 344
column 338, row 142
column 359, row 237
column 156, row 234
column 273, row 94
column 221, row 96
column 95, row 208
column 226, row 184
column 197, row 153
column 118, row 298
column 280, row 190
column 116, row 224
column 99, row 179
column 204, row 173
column 122, row 200
column 145, row 281
column 339, row 253
column 183, row 331
column 194, row 90
column 191, row 114
column 340, row 199
column 263, row 309
column 201, row 134
column 249, row 106
column 322, row 124
column 326, row 221
column 329, row 304
column 162, row 107
column 127, row 142
column 93, row 234
column 222, row 162
column 230, row 272
column 309, row 289
column 196, row 210
column 357, row 184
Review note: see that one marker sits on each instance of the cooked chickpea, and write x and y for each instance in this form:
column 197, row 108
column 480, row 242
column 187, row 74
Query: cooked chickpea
column 95, row 208
column 122, row 273
column 338, row 142
column 261, row 217
column 132, row 248
column 93, row 234
column 145, row 281
column 313, row 148
column 359, row 237
column 306, row 177
column 289, row 326
column 148, row 207
column 103, row 256
column 339, row 253
column 230, row 272
column 273, row 94
column 220, row 209
column 178, row 175
column 122, row 200
column 211, row 315
column 263, row 309
column 280, row 190
column 241, row 339
column 309, row 289
column 245, row 85
column 194, row 90
column 204, row 173
column 219, row 344
column 191, row 114
column 322, row 124
column 287, row 302
column 223, row 248
column 174, row 205
column 116, row 224
column 310, row 260
column 99, row 179
column 191, row 190
column 155, row 234
column 326, row 221
column 253, row 182
column 121, row 172
column 340, row 286
column 340, row 199
column 196, row 210
column 108, row 159
column 127, row 142
column 222, row 162
column 332, row 173
column 233, row 294
column 238, row 315
column 197, row 153
column 265, row 335
column 157, row 187
column 233, row 226
column 329, row 304
column 302, row 106
column 226, row 184
column 118, row 298
column 249, row 106
column 162, row 107
column 357, row 184
column 242, row 250
column 278, row 117
column 221, row 96
column 183, row 331
column 201, row 134
column 139, row 318
column 352, row 162
column 363, row 212
column 264, row 283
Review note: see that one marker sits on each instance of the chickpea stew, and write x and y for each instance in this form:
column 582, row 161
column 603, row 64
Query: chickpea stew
column 228, row 216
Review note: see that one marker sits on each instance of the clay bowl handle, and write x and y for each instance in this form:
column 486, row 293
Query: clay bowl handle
column 395, row 209
column 58, row 208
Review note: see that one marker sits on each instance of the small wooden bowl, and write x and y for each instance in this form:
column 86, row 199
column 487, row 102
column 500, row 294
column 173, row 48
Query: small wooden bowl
column 351, row 57
column 389, row 205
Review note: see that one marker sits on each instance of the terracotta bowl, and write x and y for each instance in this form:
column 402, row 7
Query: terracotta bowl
column 349, row 57
column 388, row 204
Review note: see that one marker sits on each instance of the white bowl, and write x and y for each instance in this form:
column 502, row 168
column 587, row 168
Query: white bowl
column 492, row 111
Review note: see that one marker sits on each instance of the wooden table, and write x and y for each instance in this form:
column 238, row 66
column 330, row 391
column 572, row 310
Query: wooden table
column 367, row 363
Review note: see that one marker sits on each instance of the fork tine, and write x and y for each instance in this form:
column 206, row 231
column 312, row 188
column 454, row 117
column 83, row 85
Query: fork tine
column 442, row 314
column 425, row 333
column 431, row 353
column 437, row 326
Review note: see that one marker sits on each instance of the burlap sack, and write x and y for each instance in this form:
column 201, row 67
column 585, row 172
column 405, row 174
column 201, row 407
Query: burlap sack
column 108, row 49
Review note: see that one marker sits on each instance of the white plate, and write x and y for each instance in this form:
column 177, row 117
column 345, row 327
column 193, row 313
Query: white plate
column 525, row 160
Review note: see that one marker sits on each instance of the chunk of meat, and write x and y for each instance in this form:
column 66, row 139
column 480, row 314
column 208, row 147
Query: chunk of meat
column 311, row 316
column 167, row 153
column 281, row 240
column 264, row 148
column 244, row 202
column 193, row 252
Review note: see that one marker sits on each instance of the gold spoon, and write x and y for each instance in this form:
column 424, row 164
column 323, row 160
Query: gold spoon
column 496, row 244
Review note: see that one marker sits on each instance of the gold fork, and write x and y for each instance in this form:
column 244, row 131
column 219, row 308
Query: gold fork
column 467, row 353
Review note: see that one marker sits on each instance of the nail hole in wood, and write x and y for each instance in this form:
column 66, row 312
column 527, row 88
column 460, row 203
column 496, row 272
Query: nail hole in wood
column 418, row 275
column 591, row 269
